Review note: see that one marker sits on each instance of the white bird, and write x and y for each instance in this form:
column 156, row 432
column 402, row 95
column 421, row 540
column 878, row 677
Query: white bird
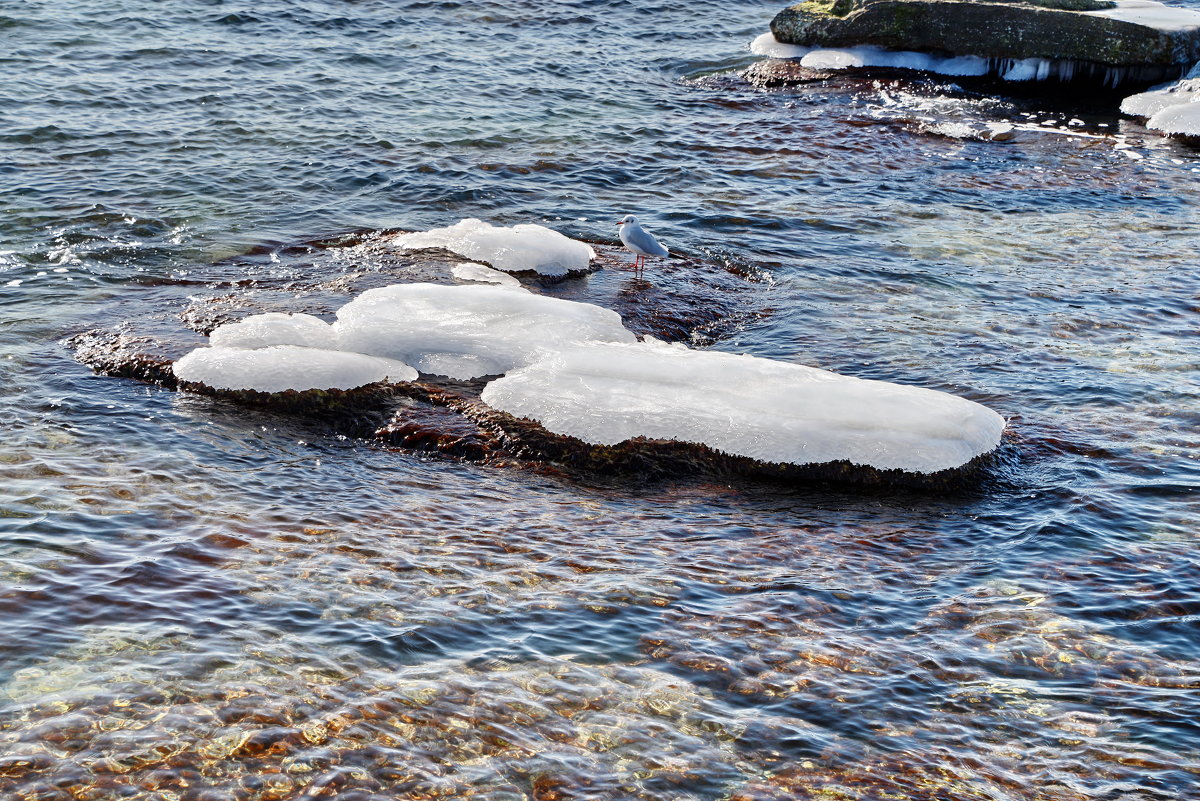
column 640, row 241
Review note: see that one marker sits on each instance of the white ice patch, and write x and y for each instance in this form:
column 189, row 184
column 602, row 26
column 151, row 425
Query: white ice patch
column 264, row 330
column 470, row 271
column 1149, row 103
column 768, row 45
column 841, row 58
column 1152, row 15
column 516, row 249
column 745, row 406
column 469, row 331
column 1170, row 108
column 282, row 367
column 1181, row 120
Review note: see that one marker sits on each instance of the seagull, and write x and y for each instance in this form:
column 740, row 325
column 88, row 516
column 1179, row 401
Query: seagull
column 640, row 241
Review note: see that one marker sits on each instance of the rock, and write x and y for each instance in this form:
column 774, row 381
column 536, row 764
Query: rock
column 1123, row 41
column 783, row 72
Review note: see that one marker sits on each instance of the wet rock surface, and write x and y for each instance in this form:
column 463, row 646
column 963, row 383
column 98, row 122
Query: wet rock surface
column 783, row 72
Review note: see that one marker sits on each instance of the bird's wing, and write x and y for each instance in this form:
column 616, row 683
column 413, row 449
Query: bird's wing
column 645, row 241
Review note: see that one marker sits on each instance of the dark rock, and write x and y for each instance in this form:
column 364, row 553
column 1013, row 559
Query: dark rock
column 1002, row 30
column 783, row 72
column 124, row 355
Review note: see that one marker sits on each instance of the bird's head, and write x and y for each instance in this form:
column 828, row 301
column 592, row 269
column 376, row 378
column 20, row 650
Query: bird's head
column 628, row 218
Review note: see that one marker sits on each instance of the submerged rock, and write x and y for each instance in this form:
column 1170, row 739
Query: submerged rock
column 1127, row 41
column 353, row 375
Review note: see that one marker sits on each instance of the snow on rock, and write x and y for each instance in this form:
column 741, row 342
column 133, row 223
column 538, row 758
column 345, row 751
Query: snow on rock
column 470, row 271
column 1182, row 120
column 516, row 249
column 1152, row 15
column 1171, row 107
column 768, row 45
column 469, row 331
column 578, row 371
column 745, row 406
column 274, row 328
column 278, row 368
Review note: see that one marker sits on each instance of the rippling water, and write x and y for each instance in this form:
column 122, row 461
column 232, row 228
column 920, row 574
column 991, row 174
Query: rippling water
column 202, row 602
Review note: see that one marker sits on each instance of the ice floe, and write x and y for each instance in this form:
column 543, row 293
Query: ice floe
column 469, row 331
column 1169, row 108
column 470, row 271
column 279, row 368
column 521, row 248
column 577, row 370
column 273, row 328
column 745, row 406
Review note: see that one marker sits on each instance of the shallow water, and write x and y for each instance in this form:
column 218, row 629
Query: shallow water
column 206, row 602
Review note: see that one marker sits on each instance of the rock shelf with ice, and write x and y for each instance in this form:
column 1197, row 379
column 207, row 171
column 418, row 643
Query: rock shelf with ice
column 960, row 66
column 1100, row 42
column 765, row 410
column 521, row 248
column 574, row 369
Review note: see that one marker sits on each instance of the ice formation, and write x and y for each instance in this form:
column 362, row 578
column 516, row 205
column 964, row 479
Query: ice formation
column 278, row 368
column 515, row 249
column 1181, row 120
column 470, row 271
column 745, row 406
column 469, row 331
column 273, row 328
column 768, row 45
column 1170, row 108
column 575, row 368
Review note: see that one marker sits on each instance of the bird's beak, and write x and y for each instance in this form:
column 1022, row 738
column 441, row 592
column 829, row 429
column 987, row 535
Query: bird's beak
column 622, row 222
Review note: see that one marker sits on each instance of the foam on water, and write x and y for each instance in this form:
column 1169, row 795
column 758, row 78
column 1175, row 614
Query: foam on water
column 521, row 248
column 745, row 406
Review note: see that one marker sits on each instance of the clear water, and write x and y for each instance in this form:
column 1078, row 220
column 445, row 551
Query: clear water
column 202, row 602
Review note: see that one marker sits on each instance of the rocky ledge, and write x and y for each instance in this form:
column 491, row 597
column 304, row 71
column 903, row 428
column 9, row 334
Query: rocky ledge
column 1121, row 42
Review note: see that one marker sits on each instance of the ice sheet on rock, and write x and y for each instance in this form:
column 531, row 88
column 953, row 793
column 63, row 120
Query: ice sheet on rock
column 470, row 271
column 1152, row 15
column 841, row 58
column 1161, row 97
column 768, row 45
column 274, row 328
column 745, row 406
column 469, row 331
column 1181, row 120
column 515, row 249
column 282, row 367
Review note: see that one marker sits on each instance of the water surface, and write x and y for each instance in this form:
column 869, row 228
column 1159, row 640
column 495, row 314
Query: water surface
column 202, row 601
